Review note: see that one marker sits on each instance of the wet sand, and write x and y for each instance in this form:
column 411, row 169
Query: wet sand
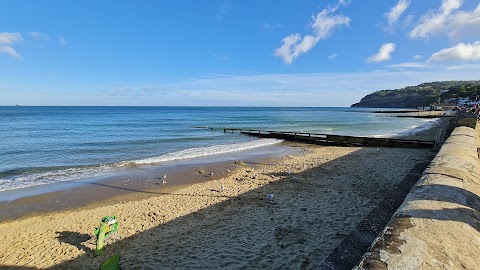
column 318, row 198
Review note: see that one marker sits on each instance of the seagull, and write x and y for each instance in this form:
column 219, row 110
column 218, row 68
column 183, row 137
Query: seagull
column 164, row 181
column 223, row 187
column 211, row 174
column 164, row 176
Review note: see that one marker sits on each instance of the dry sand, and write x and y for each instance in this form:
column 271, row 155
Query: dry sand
column 318, row 198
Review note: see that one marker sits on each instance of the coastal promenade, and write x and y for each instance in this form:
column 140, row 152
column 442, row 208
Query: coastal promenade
column 438, row 225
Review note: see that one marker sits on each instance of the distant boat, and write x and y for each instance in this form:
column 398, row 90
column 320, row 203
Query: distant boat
column 18, row 104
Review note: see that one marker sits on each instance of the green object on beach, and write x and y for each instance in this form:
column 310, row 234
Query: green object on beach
column 107, row 228
column 111, row 263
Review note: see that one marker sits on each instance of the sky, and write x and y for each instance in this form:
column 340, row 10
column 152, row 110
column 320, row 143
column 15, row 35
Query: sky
column 230, row 52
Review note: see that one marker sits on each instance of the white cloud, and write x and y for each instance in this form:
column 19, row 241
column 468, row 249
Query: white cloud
column 62, row 41
column 322, row 27
column 417, row 56
column 383, row 54
column 410, row 65
column 448, row 20
column 332, row 56
column 10, row 51
column 38, row 35
column 7, row 39
column 459, row 52
column 10, row 38
column 395, row 12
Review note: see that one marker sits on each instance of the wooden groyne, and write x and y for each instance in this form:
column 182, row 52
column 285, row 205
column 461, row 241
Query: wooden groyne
column 333, row 140
column 424, row 116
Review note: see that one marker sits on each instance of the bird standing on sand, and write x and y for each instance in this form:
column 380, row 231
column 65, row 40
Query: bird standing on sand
column 211, row 174
column 164, row 181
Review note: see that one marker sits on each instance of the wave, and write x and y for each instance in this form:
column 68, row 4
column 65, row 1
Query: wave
column 41, row 176
column 206, row 151
column 411, row 129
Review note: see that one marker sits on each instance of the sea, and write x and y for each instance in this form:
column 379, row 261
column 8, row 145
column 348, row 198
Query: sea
column 48, row 145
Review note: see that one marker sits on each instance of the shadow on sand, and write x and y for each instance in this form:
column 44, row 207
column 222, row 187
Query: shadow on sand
column 249, row 231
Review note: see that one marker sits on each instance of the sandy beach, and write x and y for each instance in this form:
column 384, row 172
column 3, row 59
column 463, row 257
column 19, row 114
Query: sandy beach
column 318, row 198
column 319, row 195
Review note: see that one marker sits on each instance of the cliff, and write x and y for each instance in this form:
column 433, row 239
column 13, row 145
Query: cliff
column 401, row 100
column 421, row 95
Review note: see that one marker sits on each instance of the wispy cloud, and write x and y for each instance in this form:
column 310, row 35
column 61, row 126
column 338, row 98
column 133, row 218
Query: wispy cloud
column 7, row 40
column 10, row 38
column 417, row 56
column 394, row 14
column 465, row 66
column 449, row 20
column 322, row 27
column 332, row 56
column 410, row 65
column 223, row 10
column 305, row 89
column 408, row 21
column 459, row 52
column 132, row 91
column 268, row 26
column 10, row 51
column 383, row 54
column 38, row 35
column 62, row 41
column 220, row 57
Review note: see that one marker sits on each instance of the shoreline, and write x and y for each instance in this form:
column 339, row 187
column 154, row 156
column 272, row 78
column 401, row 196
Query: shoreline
column 325, row 192
column 133, row 184
column 144, row 181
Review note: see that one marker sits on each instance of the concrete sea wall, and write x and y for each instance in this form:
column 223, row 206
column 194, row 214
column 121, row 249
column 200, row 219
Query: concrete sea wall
column 438, row 224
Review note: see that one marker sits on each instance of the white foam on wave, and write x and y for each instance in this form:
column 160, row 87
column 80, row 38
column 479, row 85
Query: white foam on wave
column 50, row 177
column 205, row 151
column 411, row 130
column 62, row 175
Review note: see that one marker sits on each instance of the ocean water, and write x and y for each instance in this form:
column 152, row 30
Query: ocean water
column 44, row 145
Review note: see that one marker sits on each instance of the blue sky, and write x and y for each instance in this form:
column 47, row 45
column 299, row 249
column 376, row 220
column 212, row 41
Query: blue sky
column 230, row 52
